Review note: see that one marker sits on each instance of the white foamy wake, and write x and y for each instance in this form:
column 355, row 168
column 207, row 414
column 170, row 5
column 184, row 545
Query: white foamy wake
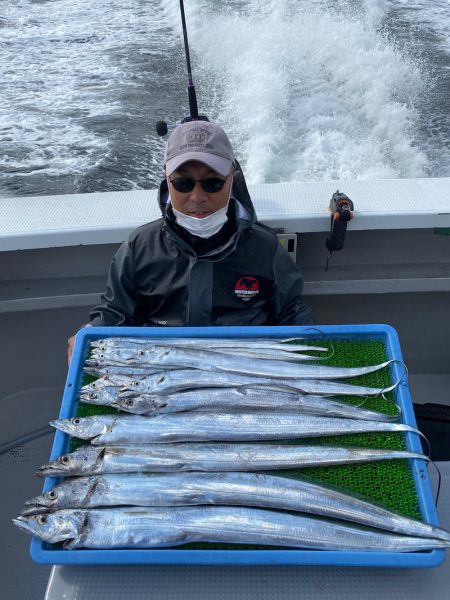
column 65, row 66
column 307, row 90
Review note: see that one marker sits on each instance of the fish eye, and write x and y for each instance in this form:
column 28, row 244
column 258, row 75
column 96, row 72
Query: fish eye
column 42, row 519
column 141, row 352
column 129, row 402
column 52, row 494
column 76, row 421
column 65, row 460
column 92, row 395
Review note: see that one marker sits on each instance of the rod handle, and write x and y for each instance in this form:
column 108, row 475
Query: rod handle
column 193, row 108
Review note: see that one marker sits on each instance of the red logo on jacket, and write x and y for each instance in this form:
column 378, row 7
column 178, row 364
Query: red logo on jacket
column 246, row 287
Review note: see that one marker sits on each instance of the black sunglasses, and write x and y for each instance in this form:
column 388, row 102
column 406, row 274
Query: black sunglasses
column 210, row 185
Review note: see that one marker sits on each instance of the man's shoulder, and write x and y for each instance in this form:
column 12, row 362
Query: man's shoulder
column 145, row 231
column 263, row 232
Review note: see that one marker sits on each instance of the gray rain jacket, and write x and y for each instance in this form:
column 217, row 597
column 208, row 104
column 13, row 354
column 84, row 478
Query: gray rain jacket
column 157, row 279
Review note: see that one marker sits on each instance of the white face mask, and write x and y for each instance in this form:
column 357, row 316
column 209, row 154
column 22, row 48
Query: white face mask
column 204, row 227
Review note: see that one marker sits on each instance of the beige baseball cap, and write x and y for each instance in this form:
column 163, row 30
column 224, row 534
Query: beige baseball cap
column 202, row 141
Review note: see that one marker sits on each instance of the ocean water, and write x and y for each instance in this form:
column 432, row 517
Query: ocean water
column 307, row 89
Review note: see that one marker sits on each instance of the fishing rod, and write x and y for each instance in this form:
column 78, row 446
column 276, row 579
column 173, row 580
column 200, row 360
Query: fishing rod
column 162, row 127
column 193, row 108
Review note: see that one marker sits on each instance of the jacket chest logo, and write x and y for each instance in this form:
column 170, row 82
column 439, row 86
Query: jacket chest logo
column 246, row 288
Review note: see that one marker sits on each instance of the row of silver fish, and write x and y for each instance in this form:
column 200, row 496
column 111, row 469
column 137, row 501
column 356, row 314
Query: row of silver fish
column 207, row 360
column 224, row 427
column 282, row 345
column 131, row 353
column 173, row 397
column 235, row 489
column 166, row 458
column 255, row 348
column 165, row 527
column 226, row 489
column 168, row 382
column 229, row 399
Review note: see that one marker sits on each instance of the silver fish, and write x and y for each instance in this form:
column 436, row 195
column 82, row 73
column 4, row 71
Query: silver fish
column 103, row 391
column 232, row 489
column 103, row 397
column 219, row 362
column 113, row 356
column 100, row 369
column 232, row 343
column 165, row 527
column 166, row 458
column 268, row 354
column 243, row 398
column 112, row 380
column 225, row 427
column 185, row 379
column 97, row 370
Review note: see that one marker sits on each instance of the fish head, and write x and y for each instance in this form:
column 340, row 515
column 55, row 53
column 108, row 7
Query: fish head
column 138, row 404
column 133, row 388
column 90, row 387
column 128, row 402
column 102, row 343
column 54, row 527
column 103, row 396
column 91, row 397
column 82, row 460
column 41, row 504
column 108, row 380
column 116, row 355
column 92, row 361
column 151, row 384
column 97, row 385
column 81, row 427
column 94, row 371
column 61, row 496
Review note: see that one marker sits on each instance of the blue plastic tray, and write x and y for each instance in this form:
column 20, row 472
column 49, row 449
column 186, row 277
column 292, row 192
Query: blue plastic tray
column 44, row 553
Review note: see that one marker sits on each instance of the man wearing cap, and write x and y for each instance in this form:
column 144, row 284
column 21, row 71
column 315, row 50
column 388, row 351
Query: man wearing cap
column 207, row 261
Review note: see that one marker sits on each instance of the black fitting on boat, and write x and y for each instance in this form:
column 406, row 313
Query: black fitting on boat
column 341, row 208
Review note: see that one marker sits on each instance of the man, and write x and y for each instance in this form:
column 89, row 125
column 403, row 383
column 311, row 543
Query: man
column 207, row 261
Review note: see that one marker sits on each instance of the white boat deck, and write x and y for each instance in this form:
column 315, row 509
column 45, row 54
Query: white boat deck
column 108, row 217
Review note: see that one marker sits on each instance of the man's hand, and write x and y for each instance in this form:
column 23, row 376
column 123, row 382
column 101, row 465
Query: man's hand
column 70, row 343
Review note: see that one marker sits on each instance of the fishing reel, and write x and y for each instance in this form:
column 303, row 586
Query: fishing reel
column 341, row 208
column 163, row 127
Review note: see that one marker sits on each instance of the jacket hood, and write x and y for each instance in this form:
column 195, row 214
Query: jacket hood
column 239, row 192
